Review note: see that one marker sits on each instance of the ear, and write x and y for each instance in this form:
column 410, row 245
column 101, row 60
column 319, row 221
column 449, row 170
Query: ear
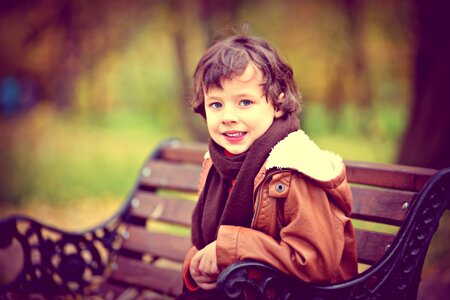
column 279, row 112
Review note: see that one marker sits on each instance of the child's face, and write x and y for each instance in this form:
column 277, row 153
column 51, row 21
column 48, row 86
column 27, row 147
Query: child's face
column 239, row 113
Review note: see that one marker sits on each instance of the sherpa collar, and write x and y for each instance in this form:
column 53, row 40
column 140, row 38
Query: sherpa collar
column 297, row 151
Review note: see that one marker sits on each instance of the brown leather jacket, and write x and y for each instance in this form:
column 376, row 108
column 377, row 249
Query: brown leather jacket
column 301, row 224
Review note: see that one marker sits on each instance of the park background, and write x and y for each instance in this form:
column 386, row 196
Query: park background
column 89, row 88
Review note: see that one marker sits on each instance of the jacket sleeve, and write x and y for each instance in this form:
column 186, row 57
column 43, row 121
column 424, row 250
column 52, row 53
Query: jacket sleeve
column 311, row 242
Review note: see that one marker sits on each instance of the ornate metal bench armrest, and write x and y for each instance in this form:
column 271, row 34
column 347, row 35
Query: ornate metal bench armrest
column 259, row 279
column 54, row 261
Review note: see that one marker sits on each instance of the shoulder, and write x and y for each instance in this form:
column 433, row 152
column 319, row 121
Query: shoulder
column 303, row 158
column 299, row 153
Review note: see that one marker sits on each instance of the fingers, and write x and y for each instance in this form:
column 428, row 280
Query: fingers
column 203, row 267
column 205, row 279
column 208, row 286
column 208, row 266
column 205, row 282
column 214, row 268
column 195, row 262
column 208, row 260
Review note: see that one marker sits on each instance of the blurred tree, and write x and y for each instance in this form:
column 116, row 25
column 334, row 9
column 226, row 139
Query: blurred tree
column 58, row 40
column 350, row 81
column 215, row 16
column 426, row 142
column 427, row 139
column 180, row 36
column 360, row 74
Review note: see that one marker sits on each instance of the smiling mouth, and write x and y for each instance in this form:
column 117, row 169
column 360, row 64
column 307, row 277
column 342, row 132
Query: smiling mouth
column 234, row 137
column 234, row 134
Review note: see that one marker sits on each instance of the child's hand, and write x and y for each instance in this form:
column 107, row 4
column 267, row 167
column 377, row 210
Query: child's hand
column 203, row 267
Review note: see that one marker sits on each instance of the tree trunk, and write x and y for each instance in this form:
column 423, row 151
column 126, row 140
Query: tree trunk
column 427, row 138
column 179, row 35
column 214, row 16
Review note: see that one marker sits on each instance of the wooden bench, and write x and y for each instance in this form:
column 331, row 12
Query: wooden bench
column 137, row 254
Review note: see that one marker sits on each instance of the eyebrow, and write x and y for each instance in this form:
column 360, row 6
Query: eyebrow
column 238, row 96
column 243, row 95
column 212, row 98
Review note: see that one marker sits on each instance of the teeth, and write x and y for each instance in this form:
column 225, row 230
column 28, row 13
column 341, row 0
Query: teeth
column 234, row 134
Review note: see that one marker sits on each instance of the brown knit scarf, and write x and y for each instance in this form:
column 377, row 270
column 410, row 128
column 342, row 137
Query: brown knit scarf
column 216, row 206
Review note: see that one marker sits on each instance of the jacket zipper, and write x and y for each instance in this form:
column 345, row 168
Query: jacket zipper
column 258, row 193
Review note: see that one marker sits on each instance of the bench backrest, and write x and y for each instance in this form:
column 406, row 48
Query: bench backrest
column 156, row 236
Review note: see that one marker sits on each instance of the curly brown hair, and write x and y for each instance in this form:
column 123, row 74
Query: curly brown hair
column 230, row 56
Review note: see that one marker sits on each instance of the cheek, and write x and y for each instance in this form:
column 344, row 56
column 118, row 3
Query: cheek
column 211, row 123
column 267, row 124
column 262, row 120
column 210, row 128
column 263, row 125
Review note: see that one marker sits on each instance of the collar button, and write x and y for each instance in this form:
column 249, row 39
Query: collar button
column 279, row 187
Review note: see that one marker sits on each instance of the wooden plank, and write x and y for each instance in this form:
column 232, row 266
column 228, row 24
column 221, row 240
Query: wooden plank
column 158, row 244
column 380, row 205
column 370, row 245
column 132, row 272
column 187, row 152
column 388, row 176
column 148, row 205
column 170, row 175
column 377, row 174
column 377, row 205
column 109, row 290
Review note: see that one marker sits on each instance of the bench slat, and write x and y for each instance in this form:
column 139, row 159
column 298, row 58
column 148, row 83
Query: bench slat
column 158, row 244
column 380, row 205
column 170, row 175
column 371, row 245
column 377, row 205
column 166, row 209
column 388, row 176
column 115, row 290
column 133, row 272
column 187, row 152
column 377, row 174
column 112, row 291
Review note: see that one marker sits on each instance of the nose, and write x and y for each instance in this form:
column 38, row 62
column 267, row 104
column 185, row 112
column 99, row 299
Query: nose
column 229, row 115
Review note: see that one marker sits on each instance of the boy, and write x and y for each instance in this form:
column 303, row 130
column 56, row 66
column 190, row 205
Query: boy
column 266, row 191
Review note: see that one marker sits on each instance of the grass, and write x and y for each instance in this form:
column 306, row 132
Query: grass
column 357, row 133
column 58, row 158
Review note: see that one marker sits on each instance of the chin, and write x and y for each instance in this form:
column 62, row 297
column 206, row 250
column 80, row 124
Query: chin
column 236, row 151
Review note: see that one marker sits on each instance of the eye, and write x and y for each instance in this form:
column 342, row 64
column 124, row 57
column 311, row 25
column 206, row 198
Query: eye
column 216, row 105
column 245, row 102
